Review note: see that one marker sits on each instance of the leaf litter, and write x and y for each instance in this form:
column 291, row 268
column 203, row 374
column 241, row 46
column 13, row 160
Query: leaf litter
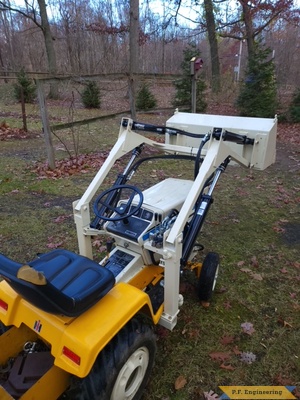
column 282, row 200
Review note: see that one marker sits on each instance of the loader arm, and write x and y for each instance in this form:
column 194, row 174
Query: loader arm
column 229, row 138
column 75, row 320
column 177, row 248
column 217, row 153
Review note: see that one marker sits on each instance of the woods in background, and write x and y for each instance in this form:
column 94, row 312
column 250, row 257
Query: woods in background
column 86, row 37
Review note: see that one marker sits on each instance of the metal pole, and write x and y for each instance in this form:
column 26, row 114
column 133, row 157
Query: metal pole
column 194, row 85
column 239, row 61
column 194, row 92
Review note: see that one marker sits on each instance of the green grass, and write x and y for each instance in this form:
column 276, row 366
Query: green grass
column 250, row 224
column 241, row 228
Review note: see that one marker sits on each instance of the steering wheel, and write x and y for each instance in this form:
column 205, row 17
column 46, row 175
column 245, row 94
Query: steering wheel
column 124, row 211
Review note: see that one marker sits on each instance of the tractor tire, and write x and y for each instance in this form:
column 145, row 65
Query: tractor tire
column 208, row 277
column 123, row 367
column 3, row 328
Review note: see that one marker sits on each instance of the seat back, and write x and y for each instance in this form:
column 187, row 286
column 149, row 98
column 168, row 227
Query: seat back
column 73, row 283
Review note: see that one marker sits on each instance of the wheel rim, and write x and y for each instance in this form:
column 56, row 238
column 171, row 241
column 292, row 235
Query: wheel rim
column 215, row 278
column 131, row 375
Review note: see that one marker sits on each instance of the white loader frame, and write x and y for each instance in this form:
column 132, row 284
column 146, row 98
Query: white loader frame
column 260, row 154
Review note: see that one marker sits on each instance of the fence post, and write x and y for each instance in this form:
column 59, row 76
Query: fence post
column 195, row 65
column 24, row 118
column 46, row 125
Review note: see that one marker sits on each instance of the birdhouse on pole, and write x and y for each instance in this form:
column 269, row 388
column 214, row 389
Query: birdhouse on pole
column 196, row 65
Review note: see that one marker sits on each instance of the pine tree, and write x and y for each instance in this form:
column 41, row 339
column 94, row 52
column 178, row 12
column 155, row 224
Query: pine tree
column 91, row 95
column 145, row 99
column 24, row 87
column 258, row 97
column 294, row 108
column 184, row 85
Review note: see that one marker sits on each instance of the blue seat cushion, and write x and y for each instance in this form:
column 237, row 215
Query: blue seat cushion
column 74, row 283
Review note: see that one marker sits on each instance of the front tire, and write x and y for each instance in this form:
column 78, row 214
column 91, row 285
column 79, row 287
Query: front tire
column 123, row 367
column 208, row 277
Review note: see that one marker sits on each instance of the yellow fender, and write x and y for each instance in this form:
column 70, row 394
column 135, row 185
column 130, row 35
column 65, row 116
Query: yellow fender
column 76, row 342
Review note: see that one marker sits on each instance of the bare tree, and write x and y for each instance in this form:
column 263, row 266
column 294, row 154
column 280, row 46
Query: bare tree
column 66, row 11
column 93, row 37
column 7, row 24
column 133, row 53
column 206, row 24
column 253, row 18
column 42, row 22
column 213, row 44
column 51, row 55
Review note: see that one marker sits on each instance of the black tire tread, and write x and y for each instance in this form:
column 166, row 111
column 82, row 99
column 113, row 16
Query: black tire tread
column 3, row 328
column 207, row 276
column 99, row 383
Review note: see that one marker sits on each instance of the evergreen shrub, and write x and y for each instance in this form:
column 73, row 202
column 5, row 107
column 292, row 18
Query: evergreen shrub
column 90, row 96
column 24, row 84
column 145, row 99
column 183, row 86
column 294, row 108
column 258, row 94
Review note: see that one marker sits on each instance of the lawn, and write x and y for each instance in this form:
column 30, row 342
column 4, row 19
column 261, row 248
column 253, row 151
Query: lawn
column 249, row 334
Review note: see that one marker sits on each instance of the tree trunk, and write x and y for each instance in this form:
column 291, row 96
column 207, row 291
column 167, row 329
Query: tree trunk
column 133, row 53
column 213, row 44
column 69, row 47
column 248, row 26
column 7, row 26
column 46, row 126
column 50, row 51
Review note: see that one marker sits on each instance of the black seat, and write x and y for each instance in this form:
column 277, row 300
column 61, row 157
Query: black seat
column 73, row 283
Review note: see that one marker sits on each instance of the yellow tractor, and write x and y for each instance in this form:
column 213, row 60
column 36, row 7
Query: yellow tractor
column 74, row 328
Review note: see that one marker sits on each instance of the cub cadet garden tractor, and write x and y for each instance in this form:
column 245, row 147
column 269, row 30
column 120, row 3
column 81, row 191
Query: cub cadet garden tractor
column 72, row 327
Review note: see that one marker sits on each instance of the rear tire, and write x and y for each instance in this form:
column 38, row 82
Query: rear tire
column 3, row 328
column 123, row 367
column 208, row 276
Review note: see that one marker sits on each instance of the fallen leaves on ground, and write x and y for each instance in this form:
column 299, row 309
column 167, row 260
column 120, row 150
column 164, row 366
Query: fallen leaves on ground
column 296, row 264
column 254, row 275
column 180, row 382
column 162, row 333
column 225, row 340
column 257, row 277
column 288, row 133
column 296, row 393
column 81, row 164
column 282, row 380
column 281, row 321
column 224, row 359
column 193, row 333
column 62, row 218
column 227, row 305
column 6, row 132
column 54, row 243
column 254, row 262
column 227, row 367
column 236, row 351
column 220, row 356
column 283, row 270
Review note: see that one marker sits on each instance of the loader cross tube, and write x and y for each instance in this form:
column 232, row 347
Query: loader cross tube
column 116, row 353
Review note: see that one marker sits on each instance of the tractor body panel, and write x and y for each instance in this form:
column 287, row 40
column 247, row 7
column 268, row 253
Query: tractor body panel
column 153, row 244
column 75, row 342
